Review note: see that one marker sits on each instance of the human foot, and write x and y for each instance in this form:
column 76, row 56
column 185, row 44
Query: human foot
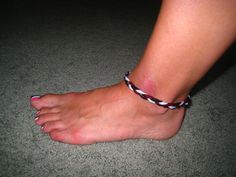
column 107, row 114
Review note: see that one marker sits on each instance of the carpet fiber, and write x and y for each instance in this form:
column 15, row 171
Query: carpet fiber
column 62, row 46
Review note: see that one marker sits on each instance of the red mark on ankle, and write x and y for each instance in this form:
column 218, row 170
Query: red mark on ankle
column 148, row 86
column 144, row 82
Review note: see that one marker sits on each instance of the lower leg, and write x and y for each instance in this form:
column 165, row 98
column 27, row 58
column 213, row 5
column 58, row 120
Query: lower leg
column 186, row 42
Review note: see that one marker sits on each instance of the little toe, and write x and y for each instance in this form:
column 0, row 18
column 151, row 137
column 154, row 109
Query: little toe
column 62, row 136
column 49, row 100
column 69, row 137
column 42, row 119
column 53, row 125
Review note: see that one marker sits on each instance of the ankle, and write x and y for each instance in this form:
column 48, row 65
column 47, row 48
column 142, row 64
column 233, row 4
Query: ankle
column 137, row 102
column 160, row 89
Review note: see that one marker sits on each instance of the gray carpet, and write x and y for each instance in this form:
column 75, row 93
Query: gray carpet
column 61, row 46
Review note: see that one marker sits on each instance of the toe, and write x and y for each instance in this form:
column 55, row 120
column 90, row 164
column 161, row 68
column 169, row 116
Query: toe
column 49, row 100
column 48, row 111
column 57, row 135
column 62, row 136
column 53, row 125
column 68, row 137
column 42, row 119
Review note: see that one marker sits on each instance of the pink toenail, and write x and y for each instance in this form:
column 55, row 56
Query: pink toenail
column 36, row 118
column 37, row 113
column 35, row 97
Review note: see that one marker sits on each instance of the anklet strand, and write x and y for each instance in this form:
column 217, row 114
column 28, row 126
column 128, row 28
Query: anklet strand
column 185, row 103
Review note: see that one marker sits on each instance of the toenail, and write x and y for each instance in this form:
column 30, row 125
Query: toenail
column 42, row 127
column 36, row 118
column 37, row 113
column 35, row 97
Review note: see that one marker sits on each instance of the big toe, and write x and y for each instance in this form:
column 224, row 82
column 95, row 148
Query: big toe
column 49, row 100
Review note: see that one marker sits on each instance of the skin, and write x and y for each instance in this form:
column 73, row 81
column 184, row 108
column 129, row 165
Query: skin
column 188, row 38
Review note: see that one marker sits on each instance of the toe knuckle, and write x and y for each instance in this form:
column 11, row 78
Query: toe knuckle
column 54, row 136
column 45, row 128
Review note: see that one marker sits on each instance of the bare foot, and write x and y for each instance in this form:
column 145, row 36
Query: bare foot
column 107, row 114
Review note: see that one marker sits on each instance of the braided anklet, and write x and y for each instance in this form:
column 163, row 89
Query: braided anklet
column 185, row 103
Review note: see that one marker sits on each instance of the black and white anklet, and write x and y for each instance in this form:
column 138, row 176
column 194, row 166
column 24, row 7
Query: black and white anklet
column 185, row 103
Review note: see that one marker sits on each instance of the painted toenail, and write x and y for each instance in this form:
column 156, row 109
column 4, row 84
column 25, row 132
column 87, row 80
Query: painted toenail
column 36, row 118
column 35, row 97
column 37, row 113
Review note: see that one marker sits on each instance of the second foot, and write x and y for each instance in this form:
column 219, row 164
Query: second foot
column 107, row 114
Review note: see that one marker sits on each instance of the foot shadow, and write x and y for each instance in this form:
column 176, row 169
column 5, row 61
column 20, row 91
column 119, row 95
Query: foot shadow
column 223, row 64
